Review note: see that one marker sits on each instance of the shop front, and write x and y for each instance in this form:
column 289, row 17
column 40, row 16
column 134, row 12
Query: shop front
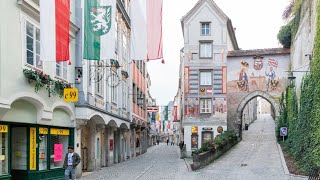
column 33, row 152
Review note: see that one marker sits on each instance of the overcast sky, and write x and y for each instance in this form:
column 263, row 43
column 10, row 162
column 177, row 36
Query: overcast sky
column 257, row 23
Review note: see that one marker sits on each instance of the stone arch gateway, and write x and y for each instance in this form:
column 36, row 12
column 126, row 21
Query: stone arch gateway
column 274, row 105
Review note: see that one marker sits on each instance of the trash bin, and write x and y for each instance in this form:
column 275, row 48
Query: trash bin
column 246, row 127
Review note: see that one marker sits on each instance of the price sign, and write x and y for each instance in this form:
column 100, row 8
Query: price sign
column 59, row 131
column 3, row 128
column 70, row 95
column 43, row 130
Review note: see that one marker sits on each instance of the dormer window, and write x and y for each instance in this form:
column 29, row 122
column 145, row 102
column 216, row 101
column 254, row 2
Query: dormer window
column 205, row 28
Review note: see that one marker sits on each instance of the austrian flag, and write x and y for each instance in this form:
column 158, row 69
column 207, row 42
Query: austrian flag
column 54, row 30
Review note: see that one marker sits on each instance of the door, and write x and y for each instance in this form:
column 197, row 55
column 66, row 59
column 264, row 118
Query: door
column 19, row 153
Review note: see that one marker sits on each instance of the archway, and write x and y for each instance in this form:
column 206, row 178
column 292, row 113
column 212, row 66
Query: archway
column 247, row 99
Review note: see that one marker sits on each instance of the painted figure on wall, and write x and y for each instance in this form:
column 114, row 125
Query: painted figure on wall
column 220, row 106
column 243, row 83
column 192, row 107
column 271, row 75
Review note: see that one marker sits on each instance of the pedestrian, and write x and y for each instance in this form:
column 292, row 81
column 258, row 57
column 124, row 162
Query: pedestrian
column 167, row 142
column 70, row 164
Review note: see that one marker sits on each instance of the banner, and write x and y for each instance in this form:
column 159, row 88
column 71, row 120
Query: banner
column 154, row 29
column 175, row 113
column 55, row 27
column 57, row 152
column 99, row 29
column 33, row 149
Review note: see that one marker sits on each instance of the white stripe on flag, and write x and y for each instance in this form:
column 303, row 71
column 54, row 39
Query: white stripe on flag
column 138, row 29
column 47, row 30
column 107, row 41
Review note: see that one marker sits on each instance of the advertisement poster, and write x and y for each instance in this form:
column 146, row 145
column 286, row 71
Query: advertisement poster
column 33, row 148
column 58, row 151
column 194, row 141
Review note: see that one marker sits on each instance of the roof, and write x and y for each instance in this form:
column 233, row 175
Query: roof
column 253, row 52
column 219, row 12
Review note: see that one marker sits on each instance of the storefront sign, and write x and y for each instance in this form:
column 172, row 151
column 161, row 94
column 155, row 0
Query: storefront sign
column 33, row 149
column 194, row 141
column 3, row 128
column 70, row 95
column 194, row 130
column 207, row 129
column 152, row 109
column 111, row 144
column 58, row 150
column 59, row 131
column 43, row 130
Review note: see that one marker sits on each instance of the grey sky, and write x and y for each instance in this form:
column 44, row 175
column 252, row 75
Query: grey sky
column 257, row 23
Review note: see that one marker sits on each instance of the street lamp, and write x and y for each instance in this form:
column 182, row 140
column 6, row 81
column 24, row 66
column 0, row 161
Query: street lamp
column 291, row 79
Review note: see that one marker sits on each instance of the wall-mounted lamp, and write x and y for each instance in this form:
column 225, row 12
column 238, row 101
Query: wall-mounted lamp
column 291, row 79
column 78, row 75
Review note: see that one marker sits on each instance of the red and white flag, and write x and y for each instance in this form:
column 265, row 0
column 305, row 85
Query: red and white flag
column 273, row 63
column 54, row 30
column 146, row 28
column 154, row 29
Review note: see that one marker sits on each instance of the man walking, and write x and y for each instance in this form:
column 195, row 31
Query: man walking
column 70, row 164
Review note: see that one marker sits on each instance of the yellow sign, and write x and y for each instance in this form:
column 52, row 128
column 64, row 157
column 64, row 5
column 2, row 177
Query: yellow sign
column 33, row 148
column 43, row 130
column 60, row 131
column 3, row 128
column 70, row 95
column 194, row 130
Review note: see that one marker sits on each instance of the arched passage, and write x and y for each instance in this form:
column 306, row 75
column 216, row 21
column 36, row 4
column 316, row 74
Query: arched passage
column 247, row 99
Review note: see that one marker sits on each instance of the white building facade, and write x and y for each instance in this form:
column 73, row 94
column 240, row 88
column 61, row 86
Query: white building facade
column 208, row 36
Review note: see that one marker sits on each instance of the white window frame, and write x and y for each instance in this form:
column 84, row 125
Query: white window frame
column 205, row 79
column 24, row 20
column 207, row 106
column 205, row 30
column 124, row 95
column 114, row 91
column 64, row 73
column 99, row 85
column 205, row 50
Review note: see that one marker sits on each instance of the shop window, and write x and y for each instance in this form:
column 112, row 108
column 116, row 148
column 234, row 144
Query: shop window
column 58, row 150
column 4, row 150
column 207, row 136
column 19, row 148
column 43, row 148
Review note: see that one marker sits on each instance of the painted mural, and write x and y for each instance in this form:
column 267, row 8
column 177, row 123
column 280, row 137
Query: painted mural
column 257, row 73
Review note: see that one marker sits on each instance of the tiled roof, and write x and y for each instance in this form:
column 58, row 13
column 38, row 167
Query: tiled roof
column 253, row 52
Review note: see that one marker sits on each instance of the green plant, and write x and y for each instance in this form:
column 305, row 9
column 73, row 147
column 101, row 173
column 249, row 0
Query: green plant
column 41, row 79
column 284, row 35
column 59, row 87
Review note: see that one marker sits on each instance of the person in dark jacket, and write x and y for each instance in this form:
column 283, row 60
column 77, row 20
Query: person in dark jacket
column 70, row 164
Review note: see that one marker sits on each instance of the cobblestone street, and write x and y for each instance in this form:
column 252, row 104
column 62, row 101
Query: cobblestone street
column 256, row 157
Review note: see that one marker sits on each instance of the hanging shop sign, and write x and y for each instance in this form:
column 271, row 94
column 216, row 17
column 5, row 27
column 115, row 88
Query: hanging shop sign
column 70, row 95
column 64, row 132
column 3, row 128
column 152, row 109
column 220, row 129
column 207, row 129
column 194, row 130
column 43, row 130
column 33, row 149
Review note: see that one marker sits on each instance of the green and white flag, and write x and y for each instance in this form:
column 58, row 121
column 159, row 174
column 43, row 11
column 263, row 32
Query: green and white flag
column 99, row 29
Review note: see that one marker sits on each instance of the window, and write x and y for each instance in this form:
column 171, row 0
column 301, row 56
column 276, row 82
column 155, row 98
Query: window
column 62, row 69
column 124, row 95
column 32, row 35
column 134, row 92
column 205, row 78
column 58, row 147
column 205, row 29
column 124, row 48
column 4, row 152
column 205, row 105
column 205, row 49
column 116, row 34
column 43, row 140
column 19, row 148
column 99, row 79
column 114, row 89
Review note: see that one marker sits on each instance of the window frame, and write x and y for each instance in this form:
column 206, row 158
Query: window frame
column 211, row 79
column 64, row 75
column 24, row 20
column 209, row 28
column 208, row 110
column 211, row 49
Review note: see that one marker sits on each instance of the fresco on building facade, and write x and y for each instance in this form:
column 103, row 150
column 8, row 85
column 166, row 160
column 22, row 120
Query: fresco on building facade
column 256, row 73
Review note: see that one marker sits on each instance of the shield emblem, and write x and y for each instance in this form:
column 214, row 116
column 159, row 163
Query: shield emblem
column 100, row 20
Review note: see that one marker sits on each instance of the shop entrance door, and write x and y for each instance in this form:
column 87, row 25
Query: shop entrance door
column 19, row 153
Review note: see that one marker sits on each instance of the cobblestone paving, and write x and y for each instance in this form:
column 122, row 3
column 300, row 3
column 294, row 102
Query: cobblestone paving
column 256, row 158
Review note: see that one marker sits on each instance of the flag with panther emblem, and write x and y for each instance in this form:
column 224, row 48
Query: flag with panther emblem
column 99, row 29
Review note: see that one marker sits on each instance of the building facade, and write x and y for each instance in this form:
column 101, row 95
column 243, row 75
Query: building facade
column 208, row 35
column 34, row 119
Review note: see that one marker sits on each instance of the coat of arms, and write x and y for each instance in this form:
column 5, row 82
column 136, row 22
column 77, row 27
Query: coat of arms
column 100, row 20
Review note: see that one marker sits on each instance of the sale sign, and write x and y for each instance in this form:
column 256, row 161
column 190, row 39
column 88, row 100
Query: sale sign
column 58, row 152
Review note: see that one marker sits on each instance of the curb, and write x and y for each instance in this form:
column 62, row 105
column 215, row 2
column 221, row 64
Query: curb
column 284, row 164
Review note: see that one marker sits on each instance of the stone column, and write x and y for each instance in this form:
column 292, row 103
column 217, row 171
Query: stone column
column 134, row 142
column 98, row 146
